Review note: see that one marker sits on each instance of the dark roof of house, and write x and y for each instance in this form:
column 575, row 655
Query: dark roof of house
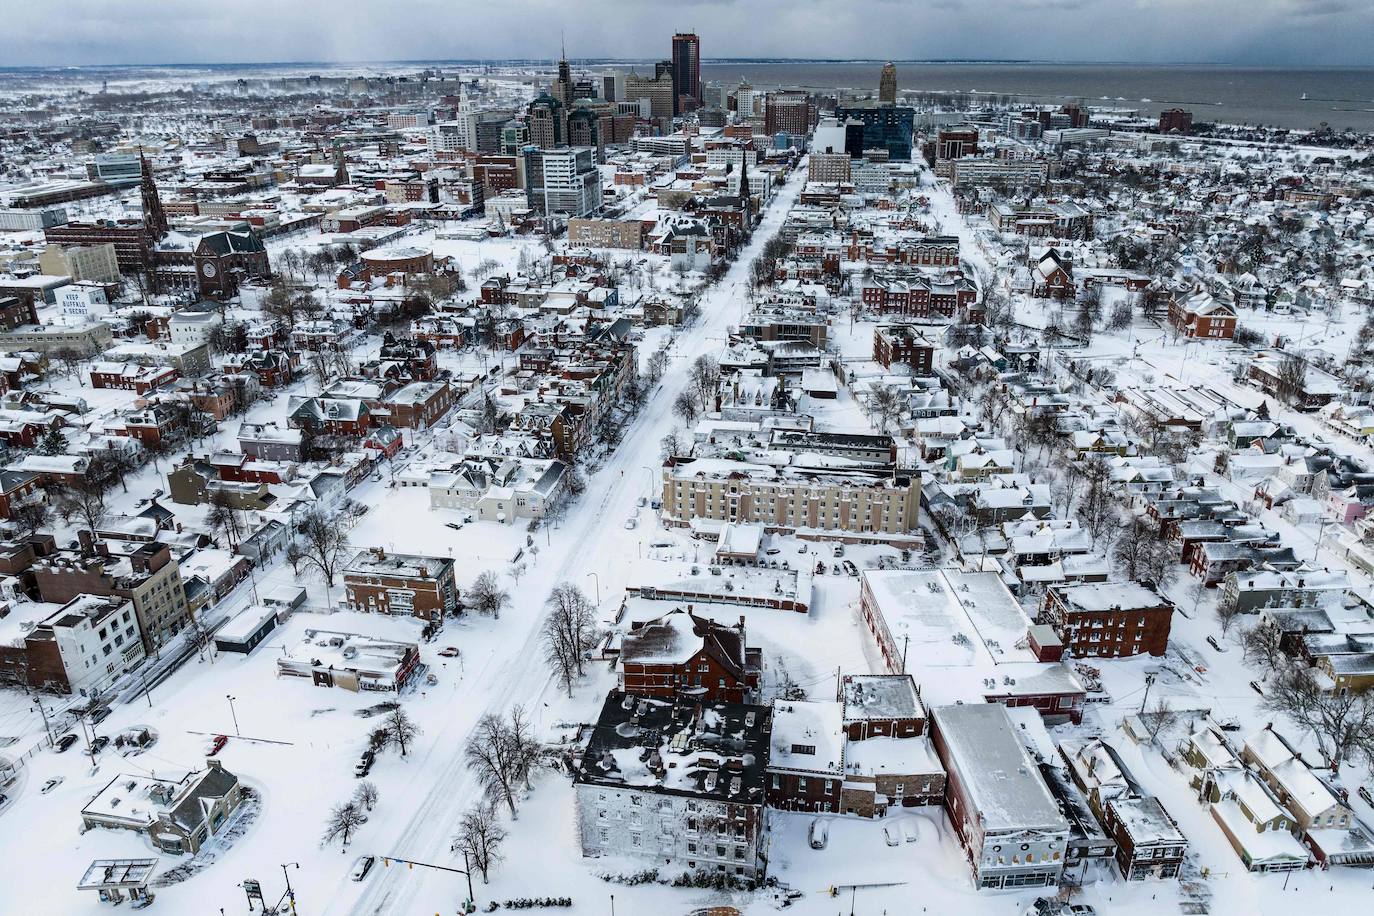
column 191, row 812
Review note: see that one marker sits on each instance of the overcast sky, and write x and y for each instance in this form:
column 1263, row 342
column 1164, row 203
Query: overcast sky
column 1277, row 32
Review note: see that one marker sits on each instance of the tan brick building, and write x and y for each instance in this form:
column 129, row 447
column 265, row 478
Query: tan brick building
column 606, row 233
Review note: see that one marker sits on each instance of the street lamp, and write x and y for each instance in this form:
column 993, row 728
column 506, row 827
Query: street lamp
column 290, row 892
column 234, row 714
column 596, row 580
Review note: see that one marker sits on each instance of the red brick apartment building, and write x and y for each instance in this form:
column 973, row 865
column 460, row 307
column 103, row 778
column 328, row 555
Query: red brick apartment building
column 918, row 297
column 401, row 584
column 895, row 343
column 1199, row 315
column 419, row 405
column 1111, row 620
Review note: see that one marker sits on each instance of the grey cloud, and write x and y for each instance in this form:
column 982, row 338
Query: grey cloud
column 1279, row 32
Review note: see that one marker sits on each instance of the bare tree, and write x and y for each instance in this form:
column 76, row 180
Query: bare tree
column 524, row 746
column 324, row 543
column 85, row 500
column 1097, row 508
column 401, row 730
column 1260, row 647
column 1227, row 611
column 223, row 517
column 1341, row 721
column 1132, row 547
column 1292, row 379
column 490, row 754
column 30, row 515
column 1159, row 718
column 569, row 632
column 486, row 595
column 344, row 821
column 365, row 796
column 686, row 407
column 657, row 365
column 1121, row 316
column 705, row 379
column 885, row 403
column 294, row 555
column 201, row 636
column 480, row 836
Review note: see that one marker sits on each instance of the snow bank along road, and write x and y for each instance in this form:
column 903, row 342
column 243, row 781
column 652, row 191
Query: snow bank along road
column 592, row 539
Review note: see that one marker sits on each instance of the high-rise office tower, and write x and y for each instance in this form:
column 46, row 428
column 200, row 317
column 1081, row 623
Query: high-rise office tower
column 562, row 88
column 887, row 85
column 686, row 72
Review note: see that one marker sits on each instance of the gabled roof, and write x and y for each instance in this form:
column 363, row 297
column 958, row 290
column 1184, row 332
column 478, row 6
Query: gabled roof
column 226, row 243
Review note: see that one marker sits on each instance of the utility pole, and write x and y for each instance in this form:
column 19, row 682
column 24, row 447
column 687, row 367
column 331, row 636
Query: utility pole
column 1149, row 679
column 38, row 701
column 467, row 872
column 905, row 641
column 87, row 732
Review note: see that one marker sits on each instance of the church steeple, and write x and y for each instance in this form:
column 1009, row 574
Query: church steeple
column 154, row 219
column 340, row 164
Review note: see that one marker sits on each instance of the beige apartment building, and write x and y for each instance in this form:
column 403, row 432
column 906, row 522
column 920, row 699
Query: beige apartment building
column 829, row 168
column 790, row 497
column 606, row 233
column 97, row 263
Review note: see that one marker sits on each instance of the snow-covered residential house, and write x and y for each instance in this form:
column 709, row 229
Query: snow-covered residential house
column 1353, row 420
column 500, row 488
column 1311, row 801
column 1052, row 276
column 1198, row 314
column 1258, row 828
column 1148, row 841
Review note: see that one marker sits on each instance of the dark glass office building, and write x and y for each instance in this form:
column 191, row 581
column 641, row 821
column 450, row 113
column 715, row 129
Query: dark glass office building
column 686, row 67
column 886, row 127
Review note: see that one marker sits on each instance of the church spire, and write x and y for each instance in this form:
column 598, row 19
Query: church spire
column 154, row 219
column 340, row 164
